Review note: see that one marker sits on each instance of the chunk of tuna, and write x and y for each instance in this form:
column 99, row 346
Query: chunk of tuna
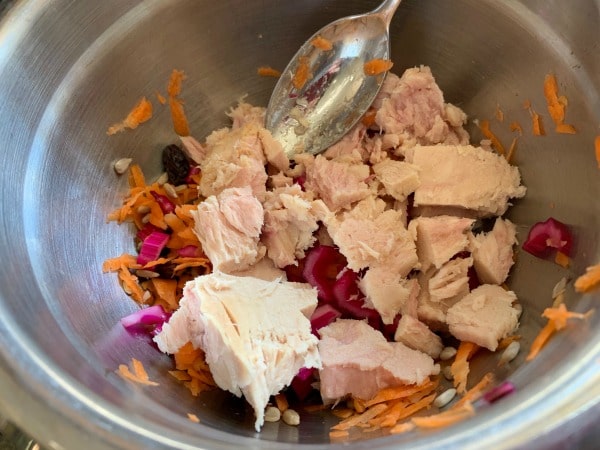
column 412, row 107
column 493, row 252
column 234, row 158
column 289, row 225
column 264, row 269
column 256, row 335
column 439, row 238
column 386, row 292
column 244, row 114
column 399, row 178
column 416, row 335
column 351, row 144
column 358, row 360
column 338, row 184
column 465, row 177
column 228, row 226
column 440, row 289
column 484, row 317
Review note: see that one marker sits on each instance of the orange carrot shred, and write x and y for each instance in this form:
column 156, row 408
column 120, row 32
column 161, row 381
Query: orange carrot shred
column 511, row 150
column 565, row 128
column 166, row 291
column 377, row 66
column 302, row 74
column 402, row 428
column 141, row 112
column 499, row 114
column 161, row 98
column 266, row 71
column 589, row 280
column 540, row 340
column 460, row 366
column 445, row 418
column 516, row 126
column 475, row 392
column 175, row 82
column 321, row 43
column 538, row 126
column 338, row 434
column 394, row 393
column 139, row 374
column 484, row 126
column 180, row 122
column 193, row 417
column 597, row 150
column 360, row 418
column 562, row 260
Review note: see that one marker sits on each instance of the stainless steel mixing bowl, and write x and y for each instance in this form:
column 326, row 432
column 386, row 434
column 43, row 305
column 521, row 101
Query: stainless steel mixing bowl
column 68, row 69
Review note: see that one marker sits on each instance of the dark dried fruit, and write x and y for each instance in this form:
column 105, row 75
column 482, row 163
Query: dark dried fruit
column 176, row 164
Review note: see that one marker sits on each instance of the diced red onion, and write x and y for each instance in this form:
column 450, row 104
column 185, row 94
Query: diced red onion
column 499, row 391
column 355, row 309
column 147, row 321
column 321, row 267
column 346, row 286
column 300, row 181
column 302, row 383
column 146, row 231
column 189, row 251
column 323, row 316
column 152, row 246
column 389, row 329
column 546, row 236
column 194, row 170
column 166, row 205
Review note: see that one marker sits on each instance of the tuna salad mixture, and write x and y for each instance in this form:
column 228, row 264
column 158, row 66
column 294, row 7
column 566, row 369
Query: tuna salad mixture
column 352, row 270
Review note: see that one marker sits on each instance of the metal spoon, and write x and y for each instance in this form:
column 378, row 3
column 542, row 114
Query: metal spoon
column 311, row 117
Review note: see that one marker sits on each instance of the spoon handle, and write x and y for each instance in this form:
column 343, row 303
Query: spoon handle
column 386, row 10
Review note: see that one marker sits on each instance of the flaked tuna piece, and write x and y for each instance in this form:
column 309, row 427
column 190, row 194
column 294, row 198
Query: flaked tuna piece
column 352, row 143
column 398, row 177
column 264, row 269
column 465, row 177
column 193, row 149
column 358, row 360
column 440, row 289
column 412, row 107
column 416, row 335
column 244, row 114
column 374, row 240
column 228, row 227
column 234, row 158
column 289, row 225
column 273, row 150
column 280, row 180
column 338, row 184
column 493, row 252
column 256, row 335
column 439, row 238
column 386, row 292
column 484, row 317
column 433, row 211
column 402, row 207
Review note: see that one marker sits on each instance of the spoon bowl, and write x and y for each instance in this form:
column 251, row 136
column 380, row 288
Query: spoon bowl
column 310, row 113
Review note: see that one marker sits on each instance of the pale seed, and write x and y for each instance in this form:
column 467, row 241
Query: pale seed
column 143, row 209
column 122, row 165
column 444, row 398
column 509, row 353
column 170, row 190
column 272, row 414
column 146, row 273
column 447, row 353
column 447, row 372
column 181, row 187
column 146, row 218
column 162, row 179
column 291, row 417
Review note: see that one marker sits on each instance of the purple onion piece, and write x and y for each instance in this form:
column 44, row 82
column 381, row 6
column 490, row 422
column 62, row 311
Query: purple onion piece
column 496, row 393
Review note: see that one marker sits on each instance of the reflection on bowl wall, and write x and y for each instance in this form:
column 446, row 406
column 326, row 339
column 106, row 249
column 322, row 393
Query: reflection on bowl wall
column 70, row 69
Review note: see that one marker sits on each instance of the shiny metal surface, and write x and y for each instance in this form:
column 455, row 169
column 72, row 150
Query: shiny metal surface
column 337, row 92
column 68, row 69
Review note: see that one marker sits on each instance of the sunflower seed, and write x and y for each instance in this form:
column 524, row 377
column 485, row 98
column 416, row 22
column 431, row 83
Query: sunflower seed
column 509, row 353
column 291, row 417
column 162, row 179
column 447, row 372
column 447, row 353
column 444, row 398
column 146, row 273
column 170, row 190
column 122, row 165
column 272, row 414
column 143, row 209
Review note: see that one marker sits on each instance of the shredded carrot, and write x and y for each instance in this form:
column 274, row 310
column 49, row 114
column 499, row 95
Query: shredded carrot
column 484, row 126
column 597, row 150
column 114, row 264
column 266, row 71
column 281, row 402
column 302, row 74
column 369, row 118
column 161, row 98
column 180, row 375
column 537, row 124
column 394, row 393
column 527, row 104
column 402, row 428
column 445, row 418
column 511, row 150
column 193, row 417
column 377, row 66
column 565, row 128
column 516, row 126
column 166, row 292
column 557, row 320
column 338, row 434
column 141, row 112
column 360, row 418
column 180, row 123
column 460, row 366
column 175, row 82
column 343, row 413
column 321, row 43
column 589, row 280
column 562, row 260
column 191, row 361
column 475, row 392
column 139, row 374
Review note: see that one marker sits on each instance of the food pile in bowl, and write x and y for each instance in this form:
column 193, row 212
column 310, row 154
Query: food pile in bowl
column 362, row 280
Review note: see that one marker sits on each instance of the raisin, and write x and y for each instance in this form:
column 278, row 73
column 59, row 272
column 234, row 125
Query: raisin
column 176, row 164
